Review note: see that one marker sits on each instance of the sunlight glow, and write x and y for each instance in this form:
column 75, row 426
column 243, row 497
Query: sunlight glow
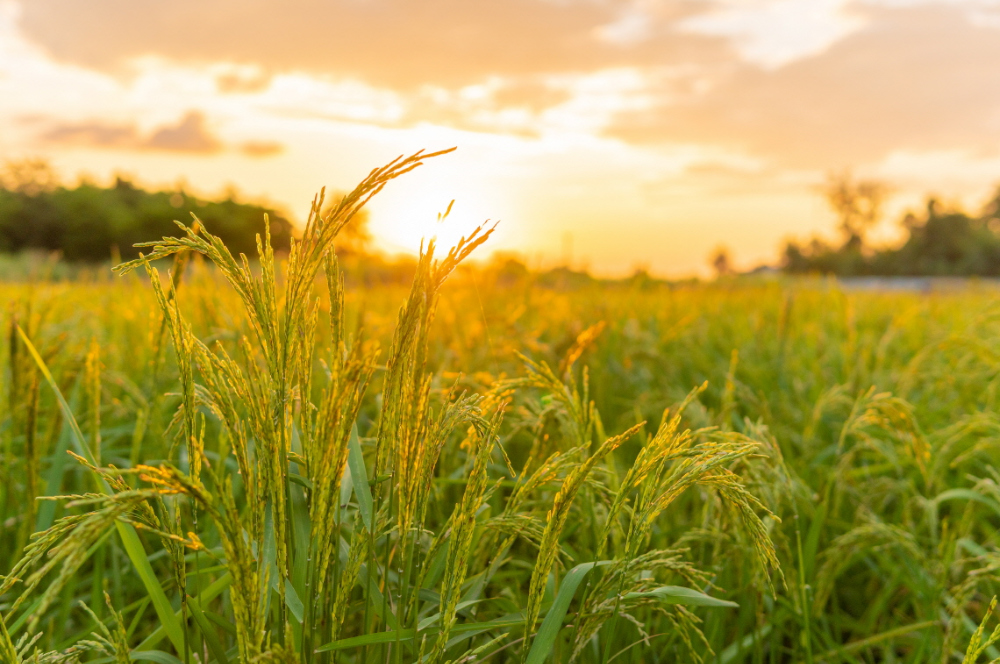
column 416, row 217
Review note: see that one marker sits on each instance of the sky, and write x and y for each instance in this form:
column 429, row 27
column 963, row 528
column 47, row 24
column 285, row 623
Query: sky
column 612, row 135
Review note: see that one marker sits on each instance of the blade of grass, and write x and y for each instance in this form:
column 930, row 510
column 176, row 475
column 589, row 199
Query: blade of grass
column 735, row 649
column 356, row 461
column 430, row 620
column 53, row 479
column 547, row 633
column 207, row 631
column 408, row 634
column 157, row 656
column 206, row 595
column 685, row 596
column 130, row 538
column 861, row 644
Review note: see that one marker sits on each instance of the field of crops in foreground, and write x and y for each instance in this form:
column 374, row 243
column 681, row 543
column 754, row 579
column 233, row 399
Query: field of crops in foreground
column 265, row 466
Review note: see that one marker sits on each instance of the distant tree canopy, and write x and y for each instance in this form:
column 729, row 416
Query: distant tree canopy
column 939, row 241
column 720, row 261
column 85, row 222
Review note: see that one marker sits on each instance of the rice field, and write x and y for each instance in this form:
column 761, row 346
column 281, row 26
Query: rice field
column 212, row 459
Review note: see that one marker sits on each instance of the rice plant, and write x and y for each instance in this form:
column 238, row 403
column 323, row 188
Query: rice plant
column 261, row 459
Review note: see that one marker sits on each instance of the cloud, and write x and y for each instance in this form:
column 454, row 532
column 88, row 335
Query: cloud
column 632, row 26
column 915, row 78
column 244, row 80
column 400, row 44
column 807, row 83
column 189, row 134
column 93, row 134
column 532, row 105
column 772, row 33
column 532, row 94
column 261, row 148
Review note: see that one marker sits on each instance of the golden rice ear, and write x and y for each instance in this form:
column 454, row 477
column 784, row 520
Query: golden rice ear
column 556, row 521
column 463, row 526
column 8, row 653
column 584, row 340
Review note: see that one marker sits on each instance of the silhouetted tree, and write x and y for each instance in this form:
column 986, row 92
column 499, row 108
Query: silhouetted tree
column 720, row 261
column 939, row 242
column 857, row 203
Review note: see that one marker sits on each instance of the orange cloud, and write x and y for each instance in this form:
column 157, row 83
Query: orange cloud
column 190, row 135
column 402, row 44
column 93, row 134
column 920, row 78
column 261, row 148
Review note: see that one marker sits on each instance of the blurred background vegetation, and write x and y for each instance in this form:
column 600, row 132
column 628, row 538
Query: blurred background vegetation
column 937, row 241
column 90, row 224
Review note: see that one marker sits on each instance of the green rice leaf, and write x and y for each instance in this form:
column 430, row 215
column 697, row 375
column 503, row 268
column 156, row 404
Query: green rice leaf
column 356, row 461
column 547, row 633
column 292, row 601
column 220, row 621
column 157, row 656
column 164, row 611
column 301, row 481
column 811, row 544
column 346, row 485
column 868, row 642
column 207, row 595
column 682, row 595
column 211, row 638
column 53, row 479
column 735, row 649
column 430, row 620
column 408, row 634
column 378, row 601
column 130, row 538
column 78, row 438
column 967, row 494
column 370, row 639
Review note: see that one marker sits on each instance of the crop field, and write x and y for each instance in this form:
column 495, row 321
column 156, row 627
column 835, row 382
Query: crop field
column 206, row 459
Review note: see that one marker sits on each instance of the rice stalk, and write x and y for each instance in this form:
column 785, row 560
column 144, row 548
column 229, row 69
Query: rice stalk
column 556, row 520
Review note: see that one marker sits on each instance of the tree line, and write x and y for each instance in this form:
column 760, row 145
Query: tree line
column 89, row 223
column 937, row 241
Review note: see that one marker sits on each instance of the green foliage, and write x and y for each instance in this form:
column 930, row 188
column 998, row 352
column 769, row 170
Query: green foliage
column 939, row 243
column 88, row 222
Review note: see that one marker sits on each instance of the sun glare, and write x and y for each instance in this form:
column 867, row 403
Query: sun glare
column 410, row 215
column 403, row 230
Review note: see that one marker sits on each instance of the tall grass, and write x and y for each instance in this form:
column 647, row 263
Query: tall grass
column 230, row 468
